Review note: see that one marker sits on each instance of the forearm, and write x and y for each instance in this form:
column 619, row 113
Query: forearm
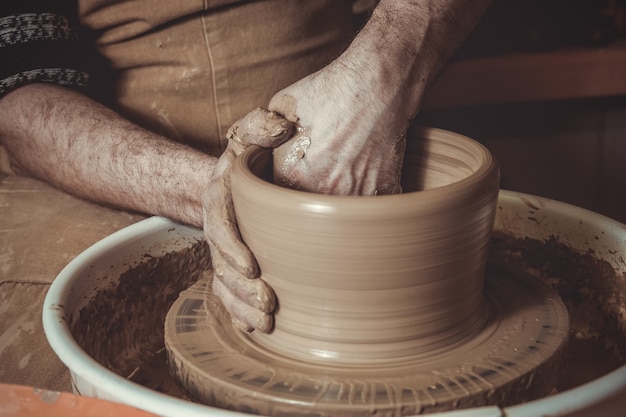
column 406, row 42
column 86, row 149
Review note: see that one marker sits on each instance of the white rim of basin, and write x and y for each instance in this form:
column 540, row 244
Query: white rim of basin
column 547, row 214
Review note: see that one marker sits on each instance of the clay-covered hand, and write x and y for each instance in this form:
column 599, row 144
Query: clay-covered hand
column 350, row 138
column 236, row 282
column 353, row 114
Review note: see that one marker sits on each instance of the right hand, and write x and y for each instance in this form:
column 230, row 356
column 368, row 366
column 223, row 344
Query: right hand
column 351, row 136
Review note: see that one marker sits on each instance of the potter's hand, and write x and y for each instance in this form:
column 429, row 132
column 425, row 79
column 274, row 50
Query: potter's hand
column 350, row 138
column 355, row 112
column 236, row 275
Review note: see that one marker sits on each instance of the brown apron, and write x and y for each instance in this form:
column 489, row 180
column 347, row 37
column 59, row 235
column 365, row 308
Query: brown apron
column 192, row 79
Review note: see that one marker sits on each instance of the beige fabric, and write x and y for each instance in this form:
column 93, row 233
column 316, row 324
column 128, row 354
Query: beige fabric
column 41, row 231
column 216, row 61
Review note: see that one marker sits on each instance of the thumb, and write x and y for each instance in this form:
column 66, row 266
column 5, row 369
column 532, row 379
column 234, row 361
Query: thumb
column 260, row 127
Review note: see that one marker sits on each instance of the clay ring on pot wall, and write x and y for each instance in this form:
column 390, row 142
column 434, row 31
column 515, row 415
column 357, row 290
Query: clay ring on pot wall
column 376, row 279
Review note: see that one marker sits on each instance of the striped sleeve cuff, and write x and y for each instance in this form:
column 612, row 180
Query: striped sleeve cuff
column 39, row 47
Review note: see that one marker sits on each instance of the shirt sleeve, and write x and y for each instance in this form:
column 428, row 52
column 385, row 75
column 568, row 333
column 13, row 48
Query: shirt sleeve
column 39, row 43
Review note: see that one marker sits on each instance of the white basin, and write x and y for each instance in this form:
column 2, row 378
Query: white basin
column 100, row 266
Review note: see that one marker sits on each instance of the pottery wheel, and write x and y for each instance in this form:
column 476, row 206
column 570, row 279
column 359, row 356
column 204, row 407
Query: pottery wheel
column 515, row 356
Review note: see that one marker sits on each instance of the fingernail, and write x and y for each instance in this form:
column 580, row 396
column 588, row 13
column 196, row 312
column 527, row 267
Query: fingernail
column 241, row 325
column 265, row 323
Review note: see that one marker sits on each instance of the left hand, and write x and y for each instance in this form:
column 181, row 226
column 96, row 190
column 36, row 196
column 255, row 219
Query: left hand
column 248, row 299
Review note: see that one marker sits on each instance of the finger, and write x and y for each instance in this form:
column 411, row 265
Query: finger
column 285, row 104
column 220, row 227
column 227, row 158
column 260, row 127
column 243, row 315
column 253, row 292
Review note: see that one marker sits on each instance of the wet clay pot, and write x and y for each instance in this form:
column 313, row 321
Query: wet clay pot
column 376, row 279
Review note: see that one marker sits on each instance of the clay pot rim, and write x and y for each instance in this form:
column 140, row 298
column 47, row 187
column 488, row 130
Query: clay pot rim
column 432, row 197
